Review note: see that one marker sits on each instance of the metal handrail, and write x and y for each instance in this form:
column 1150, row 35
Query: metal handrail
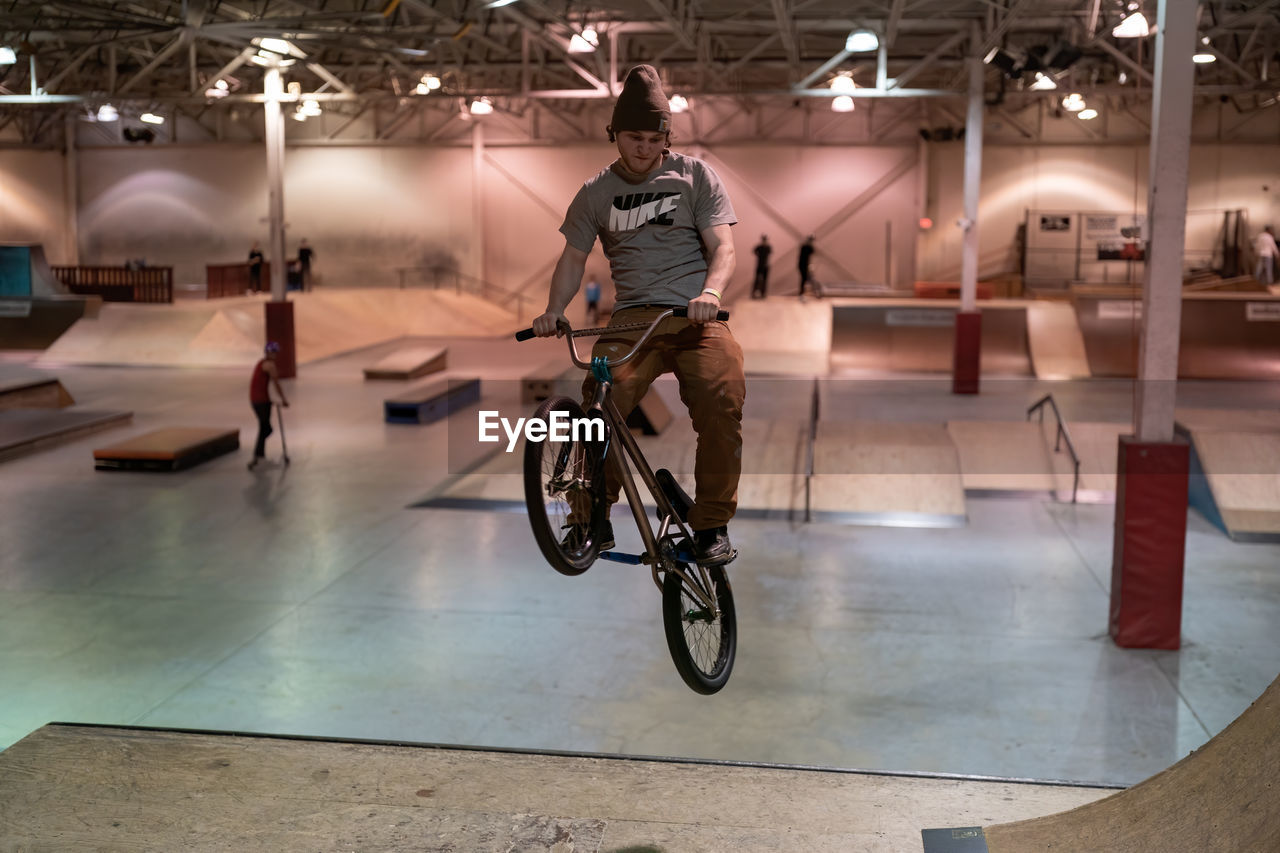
column 813, row 438
column 1061, row 434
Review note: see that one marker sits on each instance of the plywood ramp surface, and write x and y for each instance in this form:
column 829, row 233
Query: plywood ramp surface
column 409, row 363
column 1055, row 340
column 230, row 332
column 1004, row 455
column 1020, row 455
column 1223, row 798
column 82, row 788
column 781, row 325
column 870, row 467
column 162, row 443
column 1243, row 470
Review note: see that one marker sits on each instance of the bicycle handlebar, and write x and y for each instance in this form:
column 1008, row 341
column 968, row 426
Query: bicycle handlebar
column 683, row 311
column 570, row 334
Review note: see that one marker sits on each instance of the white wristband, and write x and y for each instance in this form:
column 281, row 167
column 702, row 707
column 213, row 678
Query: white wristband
column 717, row 294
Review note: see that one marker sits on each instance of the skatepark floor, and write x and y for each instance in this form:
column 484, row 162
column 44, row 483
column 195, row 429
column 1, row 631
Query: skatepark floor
column 314, row 600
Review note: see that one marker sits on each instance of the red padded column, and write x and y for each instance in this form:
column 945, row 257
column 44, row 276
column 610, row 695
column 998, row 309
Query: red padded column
column 968, row 354
column 280, row 330
column 1150, row 543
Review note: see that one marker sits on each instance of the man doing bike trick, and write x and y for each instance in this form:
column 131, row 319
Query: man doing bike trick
column 664, row 221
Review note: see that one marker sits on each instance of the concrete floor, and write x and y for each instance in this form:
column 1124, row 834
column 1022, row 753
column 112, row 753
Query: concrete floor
column 313, row 600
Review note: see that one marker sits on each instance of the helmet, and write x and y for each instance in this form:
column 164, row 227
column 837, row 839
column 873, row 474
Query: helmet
column 271, row 348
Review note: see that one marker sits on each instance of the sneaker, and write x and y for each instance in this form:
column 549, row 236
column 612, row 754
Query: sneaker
column 713, row 547
column 572, row 540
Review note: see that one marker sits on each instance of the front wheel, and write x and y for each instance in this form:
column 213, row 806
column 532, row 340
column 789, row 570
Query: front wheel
column 702, row 643
column 564, row 491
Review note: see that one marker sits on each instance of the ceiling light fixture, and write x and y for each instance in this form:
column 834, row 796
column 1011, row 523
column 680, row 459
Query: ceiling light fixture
column 1133, row 27
column 586, row 42
column 8, row 56
column 498, row 4
column 843, row 83
column 1043, row 83
column 1073, row 103
column 151, row 118
column 861, row 41
column 106, row 112
column 678, row 103
column 481, row 107
column 1204, row 57
column 1087, row 113
column 842, row 104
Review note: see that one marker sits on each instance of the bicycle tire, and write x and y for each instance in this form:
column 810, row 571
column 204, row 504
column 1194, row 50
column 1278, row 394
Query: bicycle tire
column 703, row 649
column 558, row 474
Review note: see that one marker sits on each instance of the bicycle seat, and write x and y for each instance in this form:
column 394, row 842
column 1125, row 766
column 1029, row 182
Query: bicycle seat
column 680, row 500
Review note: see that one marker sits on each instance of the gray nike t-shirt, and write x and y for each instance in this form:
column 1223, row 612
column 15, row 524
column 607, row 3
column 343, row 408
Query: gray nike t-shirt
column 650, row 231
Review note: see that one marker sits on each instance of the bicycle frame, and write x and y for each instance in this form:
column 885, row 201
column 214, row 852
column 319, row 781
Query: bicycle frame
column 626, row 446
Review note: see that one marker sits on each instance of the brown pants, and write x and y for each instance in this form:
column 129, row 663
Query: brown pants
column 707, row 361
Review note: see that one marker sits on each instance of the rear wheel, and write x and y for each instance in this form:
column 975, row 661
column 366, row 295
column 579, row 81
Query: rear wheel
column 564, row 487
column 702, row 642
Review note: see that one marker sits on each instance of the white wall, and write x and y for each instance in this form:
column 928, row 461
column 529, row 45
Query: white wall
column 368, row 210
column 33, row 206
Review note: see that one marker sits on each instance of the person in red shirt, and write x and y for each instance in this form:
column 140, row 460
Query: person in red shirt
column 264, row 376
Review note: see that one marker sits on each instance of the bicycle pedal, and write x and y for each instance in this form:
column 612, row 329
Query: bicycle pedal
column 619, row 557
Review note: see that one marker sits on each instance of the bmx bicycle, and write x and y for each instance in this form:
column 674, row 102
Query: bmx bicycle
column 564, row 487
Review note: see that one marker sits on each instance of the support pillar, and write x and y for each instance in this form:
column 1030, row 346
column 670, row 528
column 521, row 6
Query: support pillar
column 968, row 352
column 477, row 195
column 1152, row 477
column 279, row 312
column 71, row 191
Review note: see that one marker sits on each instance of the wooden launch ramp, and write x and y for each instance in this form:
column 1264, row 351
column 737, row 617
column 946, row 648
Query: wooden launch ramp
column 1223, row 798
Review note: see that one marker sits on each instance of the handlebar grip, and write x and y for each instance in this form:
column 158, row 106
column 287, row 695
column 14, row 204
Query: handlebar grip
column 524, row 334
column 683, row 311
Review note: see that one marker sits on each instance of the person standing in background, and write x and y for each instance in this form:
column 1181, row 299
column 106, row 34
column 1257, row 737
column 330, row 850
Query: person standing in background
column 255, row 267
column 1264, row 246
column 806, row 255
column 593, row 301
column 305, row 254
column 763, row 250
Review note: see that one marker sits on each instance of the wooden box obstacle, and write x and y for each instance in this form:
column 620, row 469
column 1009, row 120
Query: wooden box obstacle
column 171, row 449
column 431, row 402
column 409, row 364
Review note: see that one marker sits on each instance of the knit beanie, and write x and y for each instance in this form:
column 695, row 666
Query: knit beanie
column 642, row 105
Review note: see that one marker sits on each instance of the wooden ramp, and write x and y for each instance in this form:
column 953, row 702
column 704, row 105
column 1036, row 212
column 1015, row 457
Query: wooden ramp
column 1223, row 798
column 1013, row 457
column 904, row 474
column 171, row 449
column 67, row 787
column 783, row 337
column 1235, row 470
column 34, row 394
column 28, row 430
column 1054, row 339
column 411, row 363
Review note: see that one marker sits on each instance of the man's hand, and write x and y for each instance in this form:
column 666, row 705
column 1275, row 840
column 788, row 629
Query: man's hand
column 549, row 324
column 703, row 308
